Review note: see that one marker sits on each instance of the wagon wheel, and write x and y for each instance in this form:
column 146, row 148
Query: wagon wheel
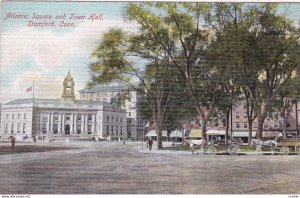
column 212, row 150
column 284, row 150
column 194, row 150
column 233, row 149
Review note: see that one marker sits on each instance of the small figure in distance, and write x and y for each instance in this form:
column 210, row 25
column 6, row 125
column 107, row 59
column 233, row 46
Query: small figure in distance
column 150, row 142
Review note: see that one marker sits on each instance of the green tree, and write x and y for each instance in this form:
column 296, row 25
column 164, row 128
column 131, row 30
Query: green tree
column 262, row 44
column 176, row 29
column 156, row 80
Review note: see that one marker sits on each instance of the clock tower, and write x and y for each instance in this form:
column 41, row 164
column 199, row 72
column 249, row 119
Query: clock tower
column 68, row 88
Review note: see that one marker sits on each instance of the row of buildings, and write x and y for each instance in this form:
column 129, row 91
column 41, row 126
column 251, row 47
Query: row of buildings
column 95, row 115
column 99, row 113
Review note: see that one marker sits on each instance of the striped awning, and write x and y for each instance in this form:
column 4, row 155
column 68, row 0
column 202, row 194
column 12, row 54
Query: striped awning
column 195, row 133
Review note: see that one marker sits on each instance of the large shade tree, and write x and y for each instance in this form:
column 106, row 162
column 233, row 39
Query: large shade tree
column 156, row 80
column 177, row 30
column 262, row 44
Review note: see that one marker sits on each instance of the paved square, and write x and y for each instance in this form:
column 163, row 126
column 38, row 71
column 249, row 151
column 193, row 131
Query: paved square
column 112, row 168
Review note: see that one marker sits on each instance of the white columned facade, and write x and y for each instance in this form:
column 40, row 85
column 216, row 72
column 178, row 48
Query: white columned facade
column 82, row 123
column 93, row 124
column 48, row 122
column 71, row 124
column 75, row 122
column 59, row 123
column 51, row 122
column 86, row 122
column 63, row 123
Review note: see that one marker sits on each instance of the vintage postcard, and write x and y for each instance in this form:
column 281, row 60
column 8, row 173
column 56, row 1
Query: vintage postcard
column 164, row 98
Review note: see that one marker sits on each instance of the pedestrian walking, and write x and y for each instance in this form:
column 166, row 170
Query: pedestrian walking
column 124, row 143
column 150, row 142
column 13, row 141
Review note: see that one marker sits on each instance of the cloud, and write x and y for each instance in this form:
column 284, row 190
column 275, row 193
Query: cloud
column 49, row 49
column 45, row 86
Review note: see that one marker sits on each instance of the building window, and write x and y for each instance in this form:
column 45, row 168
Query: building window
column 245, row 125
column 255, row 125
column 78, row 117
column 55, row 128
column 55, row 117
column 13, row 116
column 89, row 129
column 107, row 118
column 90, row 117
column 68, row 90
column 44, row 118
column 6, row 128
column 18, row 128
column 121, row 130
column 121, row 120
column 237, row 115
column 12, row 128
column 129, row 113
column 276, row 125
column 107, row 129
column 78, row 129
column 112, row 129
column 25, row 115
column 245, row 115
column 266, row 125
column 44, row 128
column 68, row 116
column 19, row 115
column 112, row 118
column 117, row 119
column 237, row 125
column 129, row 121
column 24, row 127
column 117, row 129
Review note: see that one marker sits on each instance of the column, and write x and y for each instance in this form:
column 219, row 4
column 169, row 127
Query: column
column 86, row 123
column 51, row 123
column 59, row 123
column 75, row 123
column 93, row 124
column 82, row 123
column 48, row 122
column 63, row 123
column 71, row 125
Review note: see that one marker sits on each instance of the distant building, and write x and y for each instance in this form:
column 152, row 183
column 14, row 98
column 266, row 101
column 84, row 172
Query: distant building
column 26, row 118
column 271, row 127
column 111, row 94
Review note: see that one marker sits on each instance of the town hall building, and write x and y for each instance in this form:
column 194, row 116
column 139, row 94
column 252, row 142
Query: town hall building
column 64, row 117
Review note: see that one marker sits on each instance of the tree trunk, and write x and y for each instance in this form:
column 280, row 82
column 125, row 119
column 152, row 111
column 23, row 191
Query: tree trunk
column 250, row 122
column 227, row 125
column 260, row 123
column 159, row 137
column 296, row 111
column 284, row 123
column 203, row 133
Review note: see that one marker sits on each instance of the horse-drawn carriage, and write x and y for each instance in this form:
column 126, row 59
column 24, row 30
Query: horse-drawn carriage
column 281, row 145
column 232, row 149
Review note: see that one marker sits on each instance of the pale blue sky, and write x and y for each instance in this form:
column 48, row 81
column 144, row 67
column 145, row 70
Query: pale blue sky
column 45, row 54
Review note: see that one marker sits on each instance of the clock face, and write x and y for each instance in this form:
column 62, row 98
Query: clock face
column 68, row 83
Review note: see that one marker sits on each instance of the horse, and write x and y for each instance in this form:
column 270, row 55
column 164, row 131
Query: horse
column 260, row 143
column 263, row 143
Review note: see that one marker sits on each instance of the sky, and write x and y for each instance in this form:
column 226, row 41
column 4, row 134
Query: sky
column 44, row 55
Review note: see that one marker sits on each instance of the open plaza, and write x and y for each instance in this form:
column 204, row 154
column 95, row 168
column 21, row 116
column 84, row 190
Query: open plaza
column 88, row 167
